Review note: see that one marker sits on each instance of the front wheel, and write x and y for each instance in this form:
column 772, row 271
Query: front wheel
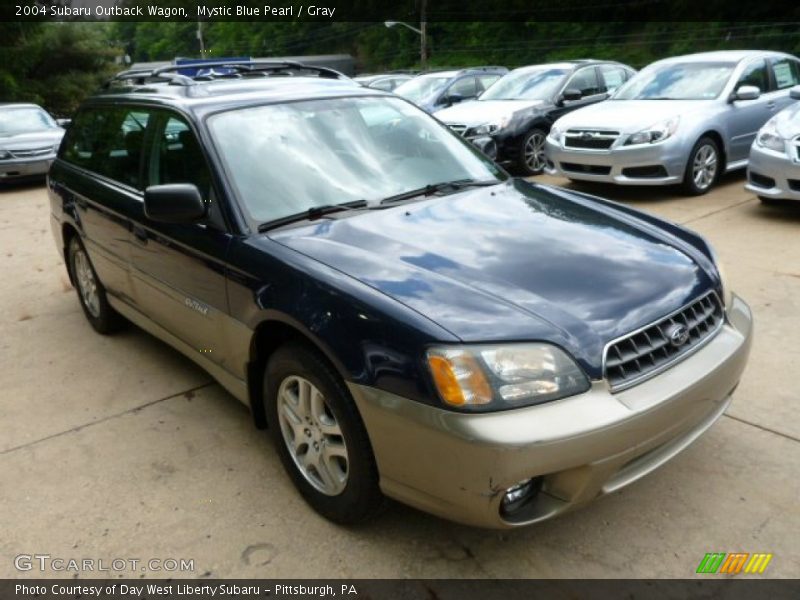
column 532, row 156
column 702, row 169
column 319, row 435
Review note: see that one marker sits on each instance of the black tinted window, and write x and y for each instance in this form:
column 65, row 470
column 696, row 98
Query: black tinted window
column 585, row 81
column 464, row 87
column 178, row 158
column 109, row 142
column 755, row 74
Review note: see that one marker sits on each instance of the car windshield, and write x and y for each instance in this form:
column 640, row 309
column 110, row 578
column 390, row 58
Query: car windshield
column 677, row 81
column 24, row 120
column 538, row 84
column 284, row 159
column 419, row 88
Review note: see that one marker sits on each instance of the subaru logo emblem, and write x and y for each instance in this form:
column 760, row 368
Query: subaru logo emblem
column 587, row 135
column 677, row 334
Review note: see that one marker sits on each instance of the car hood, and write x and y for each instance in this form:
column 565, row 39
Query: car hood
column 788, row 121
column 31, row 140
column 515, row 261
column 629, row 116
column 479, row 112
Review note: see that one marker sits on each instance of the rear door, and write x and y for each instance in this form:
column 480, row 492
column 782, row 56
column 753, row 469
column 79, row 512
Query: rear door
column 99, row 179
column 178, row 270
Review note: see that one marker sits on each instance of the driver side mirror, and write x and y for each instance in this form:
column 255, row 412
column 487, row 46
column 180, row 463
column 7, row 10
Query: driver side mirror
column 794, row 93
column 174, row 203
column 453, row 99
column 570, row 95
column 747, row 92
column 63, row 122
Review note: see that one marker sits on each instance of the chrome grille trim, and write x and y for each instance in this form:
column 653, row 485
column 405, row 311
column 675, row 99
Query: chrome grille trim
column 32, row 152
column 646, row 352
column 590, row 139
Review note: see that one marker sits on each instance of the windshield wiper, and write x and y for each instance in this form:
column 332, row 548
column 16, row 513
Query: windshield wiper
column 433, row 188
column 315, row 212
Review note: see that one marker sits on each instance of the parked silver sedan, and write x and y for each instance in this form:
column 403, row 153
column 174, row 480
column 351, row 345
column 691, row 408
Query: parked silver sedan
column 774, row 170
column 682, row 120
column 29, row 140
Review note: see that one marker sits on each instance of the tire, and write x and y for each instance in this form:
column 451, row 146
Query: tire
column 531, row 152
column 702, row 168
column 342, row 487
column 770, row 201
column 91, row 293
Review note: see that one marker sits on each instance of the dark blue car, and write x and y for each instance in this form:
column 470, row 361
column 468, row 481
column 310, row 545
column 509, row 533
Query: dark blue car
column 405, row 318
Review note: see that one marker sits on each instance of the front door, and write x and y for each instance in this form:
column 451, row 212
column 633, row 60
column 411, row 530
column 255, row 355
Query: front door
column 178, row 270
column 745, row 117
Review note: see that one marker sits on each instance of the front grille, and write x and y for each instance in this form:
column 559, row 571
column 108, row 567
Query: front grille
column 33, row 152
column 648, row 351
column 592, row 169
column 761, row 180
column 590, row 139
column 459, row 128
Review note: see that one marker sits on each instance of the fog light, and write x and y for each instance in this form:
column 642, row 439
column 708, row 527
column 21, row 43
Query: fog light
column 518, row 495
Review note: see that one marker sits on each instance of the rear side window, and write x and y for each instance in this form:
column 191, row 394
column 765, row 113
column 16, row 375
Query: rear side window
column 787, row 72
column 755, row 74
column 485, row 81
column 108, row 141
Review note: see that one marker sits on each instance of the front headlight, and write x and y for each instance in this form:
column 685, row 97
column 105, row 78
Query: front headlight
column 555, row 133
column 769, row 137
column 4, row 154
column 492, row 126
column 497, row 377
column 655, row 133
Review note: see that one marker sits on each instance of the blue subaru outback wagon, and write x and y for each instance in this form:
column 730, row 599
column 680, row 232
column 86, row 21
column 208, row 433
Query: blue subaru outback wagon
column 405, row 318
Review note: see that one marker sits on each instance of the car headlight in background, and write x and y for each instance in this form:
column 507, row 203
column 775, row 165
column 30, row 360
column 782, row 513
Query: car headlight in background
column 492, row 126
column 5, row 154
column 769, row 137
column 555, row 133
column 655, row 133
column 496, row 377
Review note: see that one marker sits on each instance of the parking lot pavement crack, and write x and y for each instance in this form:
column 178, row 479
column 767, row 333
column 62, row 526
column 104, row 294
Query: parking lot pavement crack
column 762, row 428
column 108, row 418
column 716, row 212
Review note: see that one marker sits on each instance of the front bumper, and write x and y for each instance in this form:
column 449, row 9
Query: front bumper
column 458, row 465
column 773, row 174
column 656, row 164
column 21, row 168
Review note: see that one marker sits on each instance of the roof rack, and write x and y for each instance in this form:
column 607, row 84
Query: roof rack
column 232, row 70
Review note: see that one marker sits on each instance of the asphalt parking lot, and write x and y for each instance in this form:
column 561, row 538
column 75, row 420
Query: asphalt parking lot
column 119, row 447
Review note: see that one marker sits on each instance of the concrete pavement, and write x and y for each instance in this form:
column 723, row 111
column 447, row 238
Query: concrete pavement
column 118, row 447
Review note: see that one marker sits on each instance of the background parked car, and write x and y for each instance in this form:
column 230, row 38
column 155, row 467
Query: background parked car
column 440, row 89
column 384, row 81
column 511, row 120
column 681, row 120
column 773, row 172
column 29, row 140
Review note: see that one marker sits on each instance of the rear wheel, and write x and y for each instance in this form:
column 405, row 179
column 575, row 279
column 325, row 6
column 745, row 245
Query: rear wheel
column 702, row 169
column 91, row 293
column 532, row 156
column 319, row 435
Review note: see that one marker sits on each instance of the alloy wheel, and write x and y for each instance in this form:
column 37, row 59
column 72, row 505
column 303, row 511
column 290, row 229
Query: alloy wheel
column 312, row 435
column 87, row 284
column 704, row 166
column 534, row 152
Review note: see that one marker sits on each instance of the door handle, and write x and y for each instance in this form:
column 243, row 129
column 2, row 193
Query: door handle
column 140, row 233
